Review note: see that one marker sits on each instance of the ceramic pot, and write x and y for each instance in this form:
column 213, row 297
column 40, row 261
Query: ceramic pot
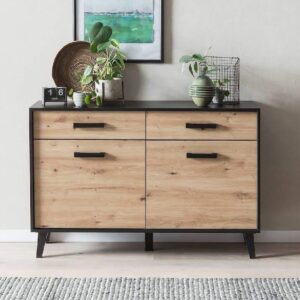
column 202, row 91
column 78, row 99
column 110, row 89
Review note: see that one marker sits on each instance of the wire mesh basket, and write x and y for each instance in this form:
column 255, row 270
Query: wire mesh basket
column 226, row 68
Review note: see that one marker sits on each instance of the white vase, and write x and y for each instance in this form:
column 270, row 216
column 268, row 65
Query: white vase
column 110, row 89
column 78, row 99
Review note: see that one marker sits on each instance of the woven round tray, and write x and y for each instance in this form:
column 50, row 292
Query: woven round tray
column 70, row 64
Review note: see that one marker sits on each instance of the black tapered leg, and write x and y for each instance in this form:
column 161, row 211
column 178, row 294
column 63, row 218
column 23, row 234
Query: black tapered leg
column 148, row 241
column 249, row 240
column 245, row 239
column 48, row 235
column 42, row 237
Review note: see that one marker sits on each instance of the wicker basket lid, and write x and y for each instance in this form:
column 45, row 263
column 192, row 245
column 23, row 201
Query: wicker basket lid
column 70, row 64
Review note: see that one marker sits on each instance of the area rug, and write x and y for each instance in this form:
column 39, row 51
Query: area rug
column 148, row 288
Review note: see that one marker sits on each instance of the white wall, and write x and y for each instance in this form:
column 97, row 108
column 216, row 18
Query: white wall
column 264, row 34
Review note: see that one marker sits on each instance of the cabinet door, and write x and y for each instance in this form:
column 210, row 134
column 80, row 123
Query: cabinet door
column 201, row 185
column 102, row 187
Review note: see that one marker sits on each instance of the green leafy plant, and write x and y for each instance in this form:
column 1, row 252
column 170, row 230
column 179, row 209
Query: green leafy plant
column 197, row 64
column 109, row 65
column 220, row 84
column 111, row 61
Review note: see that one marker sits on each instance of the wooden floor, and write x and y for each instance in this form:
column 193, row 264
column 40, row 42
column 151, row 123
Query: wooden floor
column 168, row 260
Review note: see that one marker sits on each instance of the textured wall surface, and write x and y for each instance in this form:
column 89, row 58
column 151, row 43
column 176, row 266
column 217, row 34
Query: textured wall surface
column 264, row 34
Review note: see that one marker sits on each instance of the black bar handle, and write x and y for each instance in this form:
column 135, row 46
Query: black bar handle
column 88, row 125
column 89, row 155
column 202, row 155
column 201, row 126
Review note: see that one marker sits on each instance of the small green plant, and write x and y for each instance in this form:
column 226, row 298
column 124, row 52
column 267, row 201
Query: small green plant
column 220, row 84
column 197, row 65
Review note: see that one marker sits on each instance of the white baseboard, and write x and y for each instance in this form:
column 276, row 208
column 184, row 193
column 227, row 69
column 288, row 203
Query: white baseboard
column 264, row 237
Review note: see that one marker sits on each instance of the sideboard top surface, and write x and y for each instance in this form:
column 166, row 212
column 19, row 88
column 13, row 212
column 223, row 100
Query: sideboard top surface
column 152, row 106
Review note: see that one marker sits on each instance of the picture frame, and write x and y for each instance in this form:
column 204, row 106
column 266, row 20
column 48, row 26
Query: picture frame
column 149, row 50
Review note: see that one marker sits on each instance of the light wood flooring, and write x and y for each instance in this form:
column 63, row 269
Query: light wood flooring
column 168, row 260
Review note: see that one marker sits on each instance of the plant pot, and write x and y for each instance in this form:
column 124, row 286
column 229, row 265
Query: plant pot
column 78, row 99
column 219, row 97
column 110, row 89
column 202, row 91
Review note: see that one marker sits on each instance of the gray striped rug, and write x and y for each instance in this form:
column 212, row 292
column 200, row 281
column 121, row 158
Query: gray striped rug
column 148, row 288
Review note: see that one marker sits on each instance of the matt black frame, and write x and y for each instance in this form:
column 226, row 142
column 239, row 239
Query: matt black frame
column 146, row 61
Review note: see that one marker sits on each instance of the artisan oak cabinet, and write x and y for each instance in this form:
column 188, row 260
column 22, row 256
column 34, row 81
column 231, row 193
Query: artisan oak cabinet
column 145, row 167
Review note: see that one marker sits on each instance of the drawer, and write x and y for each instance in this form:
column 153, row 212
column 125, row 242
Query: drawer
column 202, row 125
column 89, row 125
column 216, row 188
column 89, row 192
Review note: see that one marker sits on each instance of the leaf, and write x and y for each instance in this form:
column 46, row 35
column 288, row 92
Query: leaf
column 101, row 60
column 87, row 80
column 103, row 35
column 103, row 47
column 185, row 59
column 93, row 47
column 196, row 67
column 88, row 71
column 87, row 99
column 98, row 101
column 226, row 93
column 198, row 57
column 122, row 54
column 71, row 92
column 115, row 43
column 121, row 62
column 191, row 70
column 95, row 30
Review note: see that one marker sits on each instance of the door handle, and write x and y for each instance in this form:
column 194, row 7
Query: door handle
column 201, row 126
column 88, row 125
column 202, row 155
column 89, row 155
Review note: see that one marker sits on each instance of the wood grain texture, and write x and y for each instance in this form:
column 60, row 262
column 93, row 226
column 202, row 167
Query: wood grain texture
column 231, row 125
column 89, row 192
column 201, row 193
column 118, row 125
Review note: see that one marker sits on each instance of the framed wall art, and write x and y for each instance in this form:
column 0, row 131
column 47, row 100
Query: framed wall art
column 137, row 25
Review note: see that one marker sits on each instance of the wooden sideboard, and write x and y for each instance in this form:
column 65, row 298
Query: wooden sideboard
column 145, row 166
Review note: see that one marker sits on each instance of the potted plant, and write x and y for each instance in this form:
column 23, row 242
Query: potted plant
column 221, row 93
column 86, row 95
column 107, row 73
column 202, row 90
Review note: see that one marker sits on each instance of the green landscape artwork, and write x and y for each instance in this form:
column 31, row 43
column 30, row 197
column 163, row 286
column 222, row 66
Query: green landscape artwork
column 132, row 21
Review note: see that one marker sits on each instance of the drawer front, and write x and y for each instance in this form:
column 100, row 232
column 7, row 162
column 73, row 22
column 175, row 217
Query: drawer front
column 89, row 125
column 216, row 188
column 104, row 191
column 202, row 125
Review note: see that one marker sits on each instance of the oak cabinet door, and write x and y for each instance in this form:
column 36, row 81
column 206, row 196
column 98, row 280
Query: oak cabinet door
column 89, row 184
column 201, row 185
